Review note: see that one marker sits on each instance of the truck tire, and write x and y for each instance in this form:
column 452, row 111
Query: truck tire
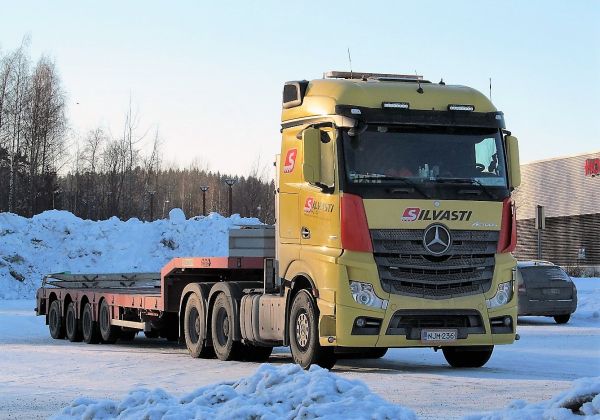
column 467, row 357
column 222, row 326
column 91, row 332
column 562, row 319
column 72, row 324
column 304, row 334
column 252, row 353
column 55, row 321
column 194, row 328
column 109, row 333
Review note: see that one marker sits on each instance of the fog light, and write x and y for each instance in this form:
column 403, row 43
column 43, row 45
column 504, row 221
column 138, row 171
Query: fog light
column 360, row 322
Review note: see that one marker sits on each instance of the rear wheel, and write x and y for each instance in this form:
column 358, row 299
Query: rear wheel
column 109, row 333
column 91, row 332
column 194, row 328
column 55, row 321
column 469, row 357
column 222, row 325
column 304, row 334
column 562, row 319
column 72, row 324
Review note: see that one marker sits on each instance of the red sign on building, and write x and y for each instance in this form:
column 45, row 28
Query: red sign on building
column 592, row 167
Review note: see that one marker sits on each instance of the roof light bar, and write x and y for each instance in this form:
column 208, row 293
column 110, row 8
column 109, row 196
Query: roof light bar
column 457, row 107
column 395, row 105
column 363, row 76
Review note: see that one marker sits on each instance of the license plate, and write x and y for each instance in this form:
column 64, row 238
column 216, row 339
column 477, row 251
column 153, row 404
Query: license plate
column 551, row 291
column 438, row 335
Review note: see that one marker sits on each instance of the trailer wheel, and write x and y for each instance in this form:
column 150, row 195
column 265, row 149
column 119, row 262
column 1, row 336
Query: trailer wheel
column 468, row 357
column 72, row 324
column 91, row 332
column 222, row 325
column 194, row 328
column 109, row 333
column 55, row 321
column 252, row 353
column 304, row 334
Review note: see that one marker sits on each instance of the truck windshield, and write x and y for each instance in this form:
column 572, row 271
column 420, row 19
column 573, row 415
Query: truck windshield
column 426, row 158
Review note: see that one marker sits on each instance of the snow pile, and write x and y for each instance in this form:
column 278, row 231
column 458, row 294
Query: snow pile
column 588, row 302
column 284, row 392
column 583, row 399
column 57, row 241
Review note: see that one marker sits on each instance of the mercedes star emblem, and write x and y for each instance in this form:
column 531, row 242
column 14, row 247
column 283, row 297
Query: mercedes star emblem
column 436, row 239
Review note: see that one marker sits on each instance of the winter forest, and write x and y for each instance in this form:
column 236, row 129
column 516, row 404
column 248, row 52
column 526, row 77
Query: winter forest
column 99, row 174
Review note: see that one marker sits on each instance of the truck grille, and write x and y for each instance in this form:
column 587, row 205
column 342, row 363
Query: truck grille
column 406, row 268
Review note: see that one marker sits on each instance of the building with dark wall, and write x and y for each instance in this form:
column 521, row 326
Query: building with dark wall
column 569, row 190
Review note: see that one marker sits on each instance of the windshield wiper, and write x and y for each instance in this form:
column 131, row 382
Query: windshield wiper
column 381, row 177
column 467, row 181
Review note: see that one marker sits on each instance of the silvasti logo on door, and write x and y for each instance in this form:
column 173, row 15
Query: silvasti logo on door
column 311, row 205
column 415, row 213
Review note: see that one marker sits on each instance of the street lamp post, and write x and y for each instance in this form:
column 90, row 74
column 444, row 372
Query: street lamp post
column 230, row 182
column 204, row 188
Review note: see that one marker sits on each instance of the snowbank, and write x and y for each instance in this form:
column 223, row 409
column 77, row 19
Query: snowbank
column 57, row 241
column 588, row 299
column 284, row 392
column 583, row 399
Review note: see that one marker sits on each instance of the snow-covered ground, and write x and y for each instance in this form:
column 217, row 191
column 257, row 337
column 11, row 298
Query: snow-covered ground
column 57, row 241
column 41, row 377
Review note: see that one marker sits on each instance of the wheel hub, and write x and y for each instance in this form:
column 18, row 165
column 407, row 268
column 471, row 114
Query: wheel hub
column 302, row 330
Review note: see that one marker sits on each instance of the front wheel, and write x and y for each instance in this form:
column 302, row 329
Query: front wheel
column 304, row 334
column 468, row 357
column 562, row 319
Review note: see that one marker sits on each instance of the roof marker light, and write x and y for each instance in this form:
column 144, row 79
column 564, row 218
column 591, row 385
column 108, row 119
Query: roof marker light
column 396, row 105
column 355, row 111
column 456, row 107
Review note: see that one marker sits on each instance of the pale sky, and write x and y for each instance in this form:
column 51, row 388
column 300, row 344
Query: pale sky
column 210, row 76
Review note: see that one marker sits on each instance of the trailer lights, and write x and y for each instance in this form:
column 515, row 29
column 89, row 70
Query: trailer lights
column 395, row 105
column 364, row 294
column 503, row 295
column 458, row 107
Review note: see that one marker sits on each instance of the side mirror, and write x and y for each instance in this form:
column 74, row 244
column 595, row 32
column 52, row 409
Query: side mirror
column 514, row 167
column 311, row 139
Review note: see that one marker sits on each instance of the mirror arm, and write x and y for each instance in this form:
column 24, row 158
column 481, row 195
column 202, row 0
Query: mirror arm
column 326, row 124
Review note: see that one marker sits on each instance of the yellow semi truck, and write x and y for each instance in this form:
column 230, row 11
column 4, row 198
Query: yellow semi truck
column 394, row 228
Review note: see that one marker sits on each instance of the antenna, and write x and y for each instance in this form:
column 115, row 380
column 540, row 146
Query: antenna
column 350, row 61
column 490, row 88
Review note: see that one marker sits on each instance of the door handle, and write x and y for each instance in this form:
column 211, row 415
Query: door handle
column 305, row 232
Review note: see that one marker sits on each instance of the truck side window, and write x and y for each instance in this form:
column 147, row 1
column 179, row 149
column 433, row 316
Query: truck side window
column 327, row 159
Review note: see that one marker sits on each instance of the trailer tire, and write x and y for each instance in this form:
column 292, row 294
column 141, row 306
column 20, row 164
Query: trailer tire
column 56, row 323
column 194, row 328
column 91, row 332
column 252, row 353
column 72, row 324
column 467, row 357
column 222, row 327
column 109, row 333
column 304, row 334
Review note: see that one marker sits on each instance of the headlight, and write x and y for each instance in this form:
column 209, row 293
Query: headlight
column 503, row 295
column 364, row 294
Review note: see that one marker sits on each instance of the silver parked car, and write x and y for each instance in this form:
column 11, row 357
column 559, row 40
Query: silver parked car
column 545, row 289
